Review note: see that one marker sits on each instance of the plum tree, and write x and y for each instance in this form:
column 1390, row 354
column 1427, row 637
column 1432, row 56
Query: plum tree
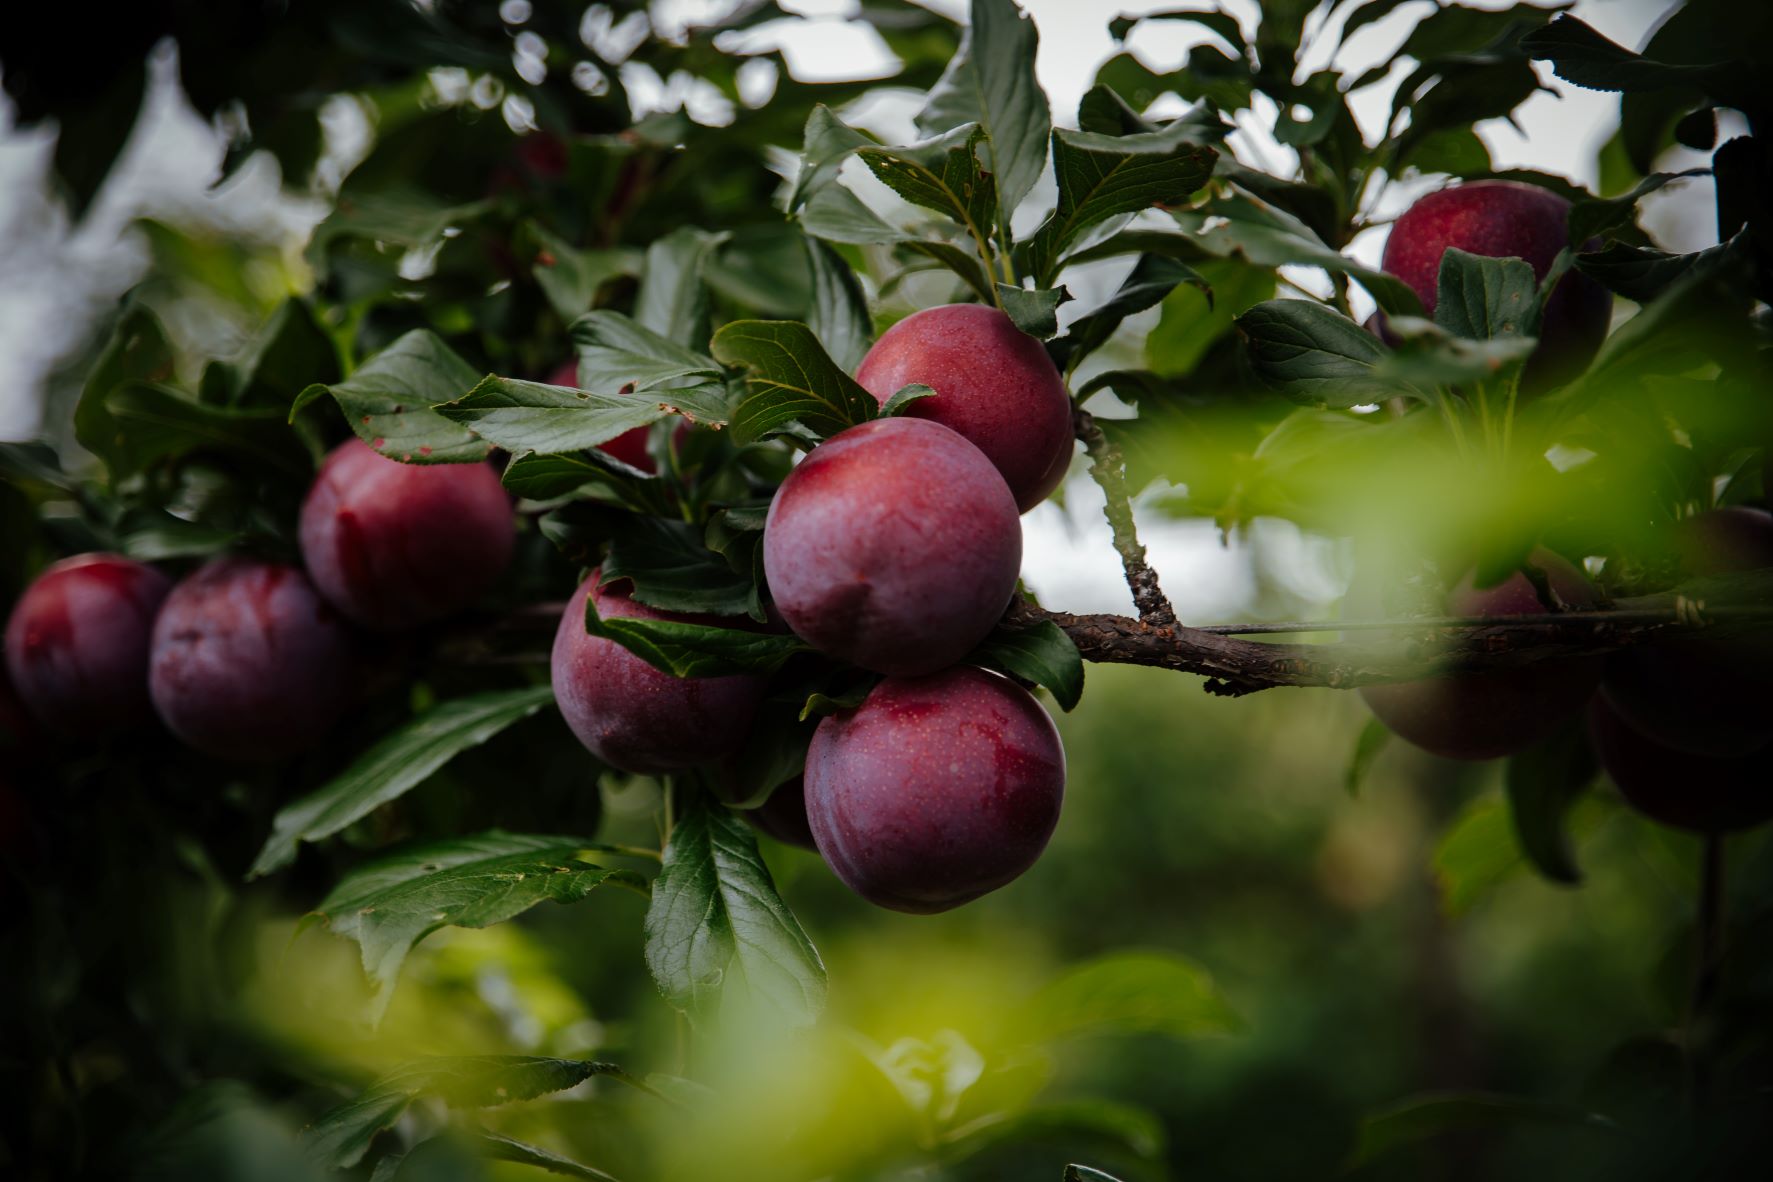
column 1708, row 794
column 1703, row 694
column 630, row 446
column 783, row 815
column 1505, row 219
column 894, row 545
column 1486, row 715
column 935, row 790
column 633, row 716
column 994, row 384
column 248, row 662
column 77, row 644
column 396, row 545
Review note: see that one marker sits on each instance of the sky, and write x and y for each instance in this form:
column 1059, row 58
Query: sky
column 62, row 276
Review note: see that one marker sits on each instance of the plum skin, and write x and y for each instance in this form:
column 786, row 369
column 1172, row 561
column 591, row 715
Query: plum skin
column 249, row 662
column 783, row 815
column 77, row 644
column 632, row 716
column 1504, row 219
column 1705, row 794
column 1701, row 694
column 895, row 545
column 935, row 790
column 395, row 545
column 1487, row 715
column 994, row 385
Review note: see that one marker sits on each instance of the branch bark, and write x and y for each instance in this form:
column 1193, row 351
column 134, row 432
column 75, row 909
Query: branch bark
column 1109, row 471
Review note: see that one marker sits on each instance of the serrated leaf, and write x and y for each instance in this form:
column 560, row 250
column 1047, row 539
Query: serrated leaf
column 1543, row 782
column 534, row 416
column 539, row 477
column 1423, row 1117
column 1640, row 273
column 695, row 650
column 826, row 143
column 837, row 215
column 616, row 354
column 1596, row 216
column 1134, row 992
column 670, row 566
column 153, row 423
column 398, row 763
column 1034, row 312
column 991, row 82
column 499, row 1147
column 943, row 174
column 717, row 933
column 388, row 401
column 673, row 300
column 571, row 278
column 392, row 903
column 1310, row 353
column 1374, row 738
column 1153, row 277
column 1583, row 56
column 902, row 399
column 341, row 1136
column 1043, row 654
column 791, row 379
column 1481, row 298
column 1102, row 177
column 839, row 312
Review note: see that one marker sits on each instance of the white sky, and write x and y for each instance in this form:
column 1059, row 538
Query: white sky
column 60, row 277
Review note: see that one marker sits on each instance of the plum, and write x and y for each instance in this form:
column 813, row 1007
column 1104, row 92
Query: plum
column 1506, row 219
column 894, row 545
column 630, row 446
column 1703, row 793
column 783, row 815
column 1703, row 694
column 395, row 545
column 248, row 662
column 1486, row 715
column 633, row 716
column 77, row 644
column 994, row 384
column 935, row 790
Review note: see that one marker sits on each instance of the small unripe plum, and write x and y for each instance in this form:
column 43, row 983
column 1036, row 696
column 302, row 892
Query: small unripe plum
column 894, row 545
column 1703, row 793
column 1703, row 694
column 1506, row 219
column 1487, row 715
column 77, row 644
column 994, row 384
column 633, row 716
column 935, row 790
column 628, row 447
column 783, row 815
column 396, row 545
column 248, row 661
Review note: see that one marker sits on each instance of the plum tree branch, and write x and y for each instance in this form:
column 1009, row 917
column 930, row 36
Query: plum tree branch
column 1109, row 471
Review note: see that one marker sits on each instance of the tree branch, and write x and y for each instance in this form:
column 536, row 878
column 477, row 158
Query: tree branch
column 1109, row 471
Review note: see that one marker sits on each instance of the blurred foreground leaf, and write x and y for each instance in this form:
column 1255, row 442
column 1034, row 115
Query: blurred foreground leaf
column 1423, row 1117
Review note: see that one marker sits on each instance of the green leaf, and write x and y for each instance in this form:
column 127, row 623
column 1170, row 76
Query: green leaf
column 1425, row 355
column 398, row 763
column 1640, row 273
column 1374, row 738
column 1190, row 324
column 1132, row 992
column 1481, row 298
column 340, row 1137
column 291, row 351
column 388, row 401
column 1034, row 312
column 1421, row 1118
column 1105, row 176
column 718, row 934
column 828, row 141
column 1581, row 55
column 671, row 567
column 792, row 380
column 673, row 300
column 1476, row 852
column 991, row 82
column 837, row 215
column 1543, row 782
column 533, row 416
column 539, row 477
column 1153, row 277
column 1104, row 112
column 1597, row 216
column 1043, row 654
column 696, row 650
column 1077, row 1173
column 154, row 423
column 839, row 312
column 499, row 1147
column 392, row 903
column 1310, row 353
column 943, row 174
column 902, row 399
column 571, row 278
column 615, row 354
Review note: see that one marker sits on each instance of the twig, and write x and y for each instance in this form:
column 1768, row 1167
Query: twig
column 1109, row 471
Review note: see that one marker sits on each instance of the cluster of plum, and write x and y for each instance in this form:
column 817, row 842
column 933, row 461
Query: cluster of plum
column 893, row 546
column 1684, row 728
column 247, row 659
